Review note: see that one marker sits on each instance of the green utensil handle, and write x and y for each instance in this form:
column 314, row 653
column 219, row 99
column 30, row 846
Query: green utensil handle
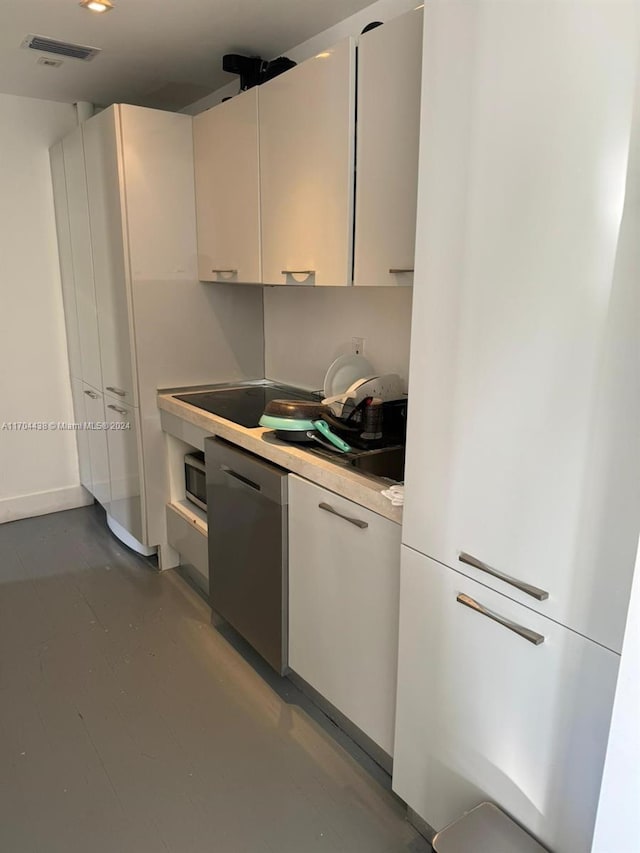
column 323, row 428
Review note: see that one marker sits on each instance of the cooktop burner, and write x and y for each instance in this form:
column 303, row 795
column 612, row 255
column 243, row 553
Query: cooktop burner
column 243, row 404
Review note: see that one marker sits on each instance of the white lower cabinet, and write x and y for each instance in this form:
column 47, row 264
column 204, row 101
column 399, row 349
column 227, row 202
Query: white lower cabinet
column 343, row 605
column 122, row 438
column 82, row 435
column 96, row 439
column 485, row 714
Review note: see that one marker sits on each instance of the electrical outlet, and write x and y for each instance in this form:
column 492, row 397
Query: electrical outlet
column 357, row 345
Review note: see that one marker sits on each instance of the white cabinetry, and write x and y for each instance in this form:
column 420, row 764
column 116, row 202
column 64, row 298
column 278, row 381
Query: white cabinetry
column 343, row 605
column 61, row 204
column 307, row 146
column 523, row 436
column 96, row 437
column 82, row 435
column 124, row 467
column 225, row 144
column 485, row 714
column 80, row 234
column 125, row 207
column 102, row 146
column 389, row 72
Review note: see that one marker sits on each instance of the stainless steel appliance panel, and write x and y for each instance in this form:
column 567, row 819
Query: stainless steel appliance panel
column 248, row 568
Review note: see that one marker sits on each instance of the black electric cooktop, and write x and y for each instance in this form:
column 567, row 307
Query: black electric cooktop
column 243, row 404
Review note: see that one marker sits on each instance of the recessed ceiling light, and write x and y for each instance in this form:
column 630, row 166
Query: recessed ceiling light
column 97, row 5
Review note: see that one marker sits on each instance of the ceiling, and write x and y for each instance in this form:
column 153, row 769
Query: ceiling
column 157, row 53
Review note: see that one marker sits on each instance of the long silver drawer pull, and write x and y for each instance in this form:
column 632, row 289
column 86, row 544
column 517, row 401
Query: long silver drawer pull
column 526, row 633
column 298, row 272
column 533, row 591
column 328, row 508
column 91, row 394
column 117, row 391
column 396, row 270
column 117, row 409
column 228, row 272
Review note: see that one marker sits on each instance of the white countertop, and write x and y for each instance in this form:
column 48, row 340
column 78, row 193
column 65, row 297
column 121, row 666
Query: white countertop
column 348, row 483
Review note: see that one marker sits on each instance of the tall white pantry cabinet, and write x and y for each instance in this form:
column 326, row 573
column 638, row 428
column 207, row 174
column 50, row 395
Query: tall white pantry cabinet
column 123, row 186
column 523, row 471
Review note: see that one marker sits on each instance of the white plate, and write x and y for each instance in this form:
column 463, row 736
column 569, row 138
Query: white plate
column 344, row 371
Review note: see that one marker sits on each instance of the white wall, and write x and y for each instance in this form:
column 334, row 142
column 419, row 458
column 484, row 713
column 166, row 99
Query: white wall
column 306, row 328
column 38, row 470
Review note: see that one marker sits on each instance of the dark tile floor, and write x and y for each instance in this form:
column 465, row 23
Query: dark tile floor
column 128, row 724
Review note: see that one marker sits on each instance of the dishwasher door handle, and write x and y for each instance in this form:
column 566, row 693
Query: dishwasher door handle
column 244, row 481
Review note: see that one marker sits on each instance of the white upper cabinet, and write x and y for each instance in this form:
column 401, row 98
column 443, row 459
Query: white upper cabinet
column 78, row 209
column 225, row 143
column 523, row 431
column 486, row 714
column 307, row 146
column 66, row 259
column 156, row 162
column 389, row 75
column 104, row 183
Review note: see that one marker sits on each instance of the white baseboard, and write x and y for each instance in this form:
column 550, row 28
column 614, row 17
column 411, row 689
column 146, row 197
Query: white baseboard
column 42, row 503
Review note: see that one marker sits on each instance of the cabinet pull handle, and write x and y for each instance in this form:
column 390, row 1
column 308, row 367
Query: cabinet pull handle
column 245, row 481
column 298, row 272
column 117, row 391
column 394, row 270
column 91, row 394
column 228, row 272
column 533, row 591
column 117, row 409
column 525, row 633
column 328, row 508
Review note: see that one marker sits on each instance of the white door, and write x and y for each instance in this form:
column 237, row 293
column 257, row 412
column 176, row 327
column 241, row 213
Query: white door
column 485, row 714
column 96, row 431
column 307, row 136
column 525, row 399
column 74, row 164
column 122, row 437
column 225, row 144
column 82, row 435
column 56, row 156
column 104, row 183
column 343, row 605
column 389, row 73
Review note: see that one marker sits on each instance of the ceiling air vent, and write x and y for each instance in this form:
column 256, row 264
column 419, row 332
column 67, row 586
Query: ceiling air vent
column 60, row 48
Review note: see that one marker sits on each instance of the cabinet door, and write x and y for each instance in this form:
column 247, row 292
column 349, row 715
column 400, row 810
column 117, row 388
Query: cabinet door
column 307, row 136
column 74, row 163
column 157, row 175
column 389, row 73
column 484, row 714
column 63, row 230
column 97, row 442
column 102, row 144
column 82, row 434
column 225, row 144
column 124, row 471
column 525, row 400
column 343, row 605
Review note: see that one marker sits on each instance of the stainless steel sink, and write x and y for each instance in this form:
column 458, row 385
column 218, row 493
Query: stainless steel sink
column 385, row 463
column 388, row 463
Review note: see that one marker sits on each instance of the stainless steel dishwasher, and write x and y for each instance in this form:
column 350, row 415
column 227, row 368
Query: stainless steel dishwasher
column 248, row 569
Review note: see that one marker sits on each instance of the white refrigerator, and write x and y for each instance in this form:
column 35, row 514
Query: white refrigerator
column 523, row 459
